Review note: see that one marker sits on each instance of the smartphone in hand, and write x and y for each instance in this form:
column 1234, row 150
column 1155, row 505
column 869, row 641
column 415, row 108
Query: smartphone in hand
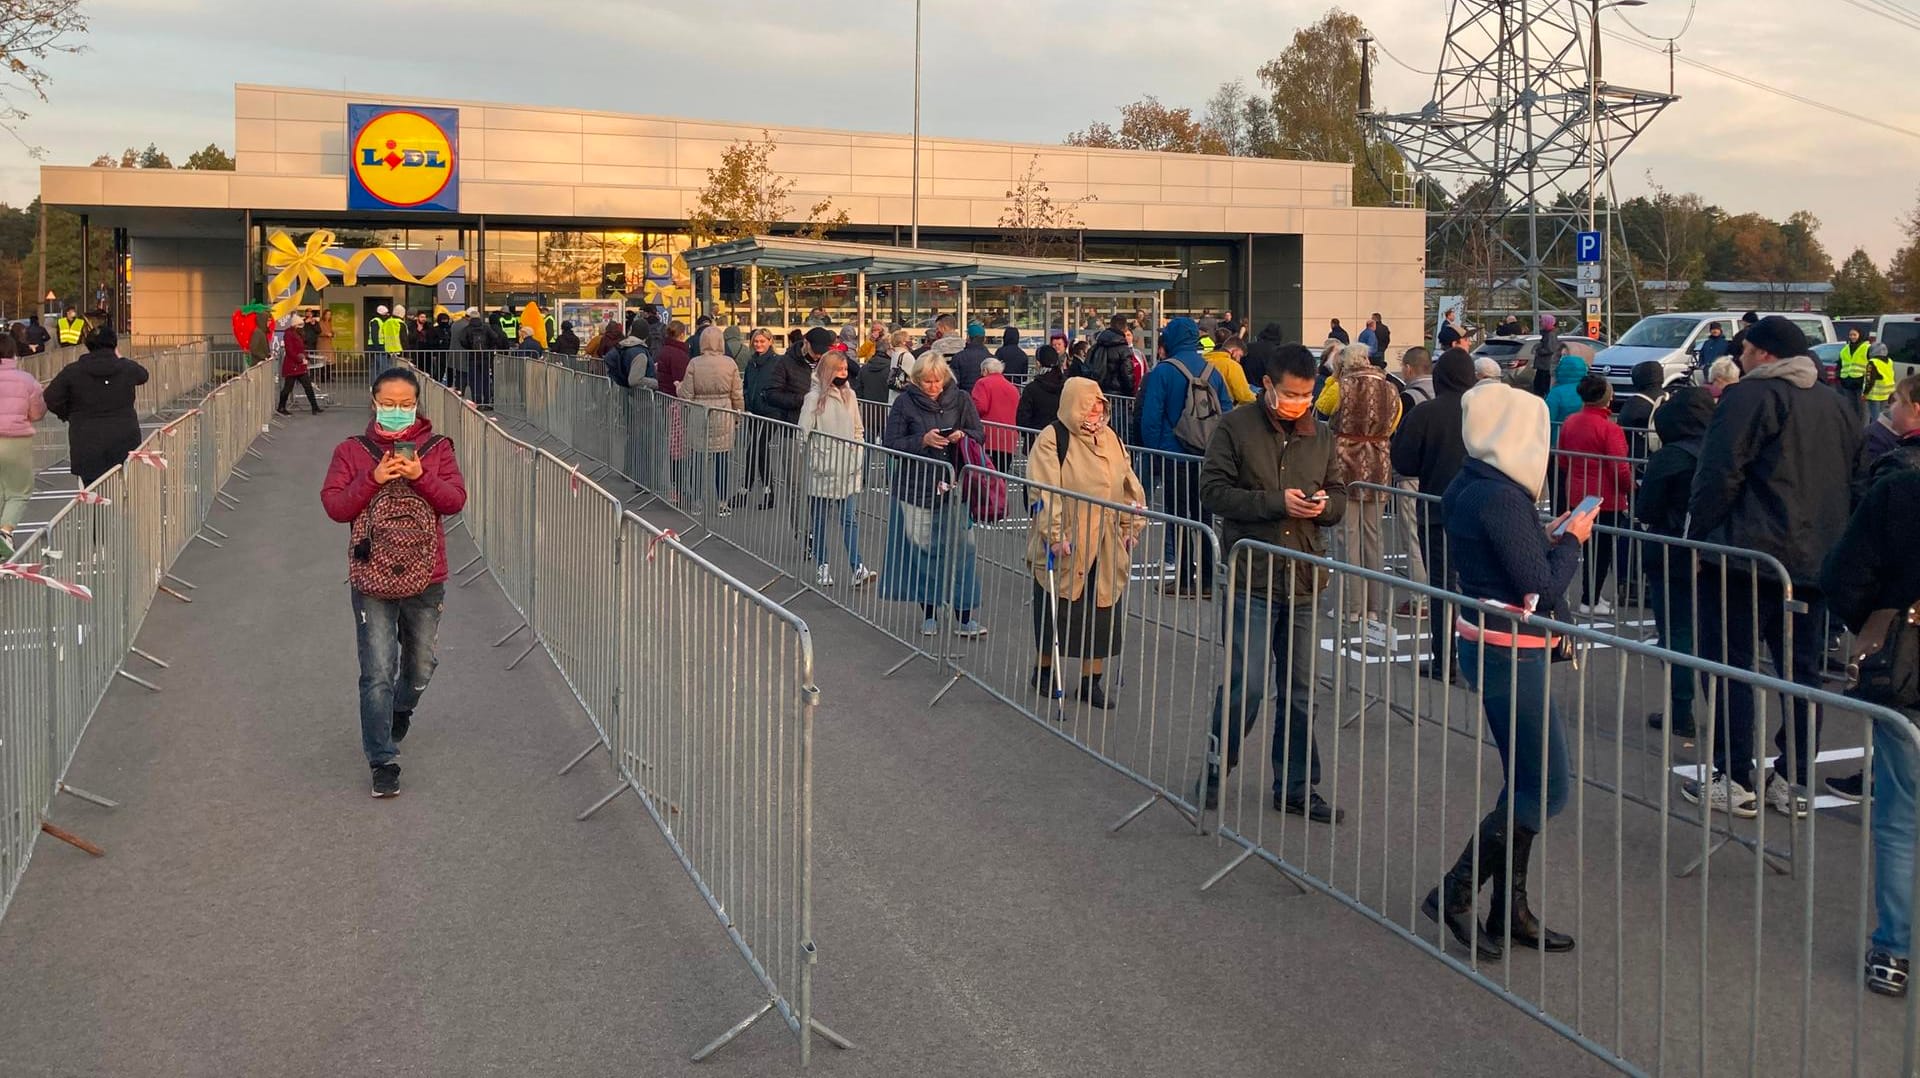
column 1587, row 505
column 406, row 449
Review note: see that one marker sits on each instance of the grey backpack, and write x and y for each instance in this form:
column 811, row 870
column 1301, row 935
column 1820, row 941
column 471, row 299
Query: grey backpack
column 1200, row 415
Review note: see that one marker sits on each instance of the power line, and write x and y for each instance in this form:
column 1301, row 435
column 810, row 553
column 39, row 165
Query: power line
column 1894, row 15
column 1685, row 25
column 1402, row 63
column 1766, row 88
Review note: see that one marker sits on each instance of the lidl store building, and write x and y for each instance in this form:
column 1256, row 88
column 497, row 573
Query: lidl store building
column 487, row 205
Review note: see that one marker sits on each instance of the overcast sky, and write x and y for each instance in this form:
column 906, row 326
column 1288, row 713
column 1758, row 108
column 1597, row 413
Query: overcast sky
column 163, row 71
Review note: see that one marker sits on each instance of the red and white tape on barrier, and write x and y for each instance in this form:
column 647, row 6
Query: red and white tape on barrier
column 151, row 457
column 88, row 497
column 31, row 571
column 655, row 541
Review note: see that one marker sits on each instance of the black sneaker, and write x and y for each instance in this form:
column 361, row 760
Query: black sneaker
column 386, row 780
column 1683, row 727
column 1848, row 787
column 402, row 722
column 1313, row 807
column 1886, row 975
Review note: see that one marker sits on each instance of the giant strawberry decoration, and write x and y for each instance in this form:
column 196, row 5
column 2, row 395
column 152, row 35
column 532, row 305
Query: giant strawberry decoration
column 246, row 320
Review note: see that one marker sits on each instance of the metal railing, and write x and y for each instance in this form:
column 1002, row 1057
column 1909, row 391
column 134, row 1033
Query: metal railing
column 77, row 592
column 1671, row 972
column 173, row 375
column 700, row 688
column 1677, row 967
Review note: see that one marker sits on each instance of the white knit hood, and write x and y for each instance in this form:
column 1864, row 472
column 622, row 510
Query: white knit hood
column 1507, row 428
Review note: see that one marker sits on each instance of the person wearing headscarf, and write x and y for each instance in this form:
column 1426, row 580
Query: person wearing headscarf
column 737, row 347
column 1503, row 555
column 1013, row 359
column 1080, row 551
column 713, row 381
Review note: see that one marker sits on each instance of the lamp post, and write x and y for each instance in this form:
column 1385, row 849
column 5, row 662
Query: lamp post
column 914, row 242
column 1593, row 142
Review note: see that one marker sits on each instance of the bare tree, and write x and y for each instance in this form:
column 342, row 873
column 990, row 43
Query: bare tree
column 30, row 32
column 745, row 197
column 1038, row 225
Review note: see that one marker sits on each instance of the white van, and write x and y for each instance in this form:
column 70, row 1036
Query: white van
column 1675, row 339
column 1900, row 335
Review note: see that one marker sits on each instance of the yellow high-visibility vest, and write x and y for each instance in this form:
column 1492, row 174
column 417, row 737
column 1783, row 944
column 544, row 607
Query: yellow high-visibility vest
column 390, row 333
column 1853, row 360
column 72, row 330
column 1882, row 387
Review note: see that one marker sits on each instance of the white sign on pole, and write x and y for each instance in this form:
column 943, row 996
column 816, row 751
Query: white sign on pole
column 1589, row 289
column 1593, row 308
column 1588, row 271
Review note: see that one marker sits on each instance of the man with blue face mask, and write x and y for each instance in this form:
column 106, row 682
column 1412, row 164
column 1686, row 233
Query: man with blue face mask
column 393, row 485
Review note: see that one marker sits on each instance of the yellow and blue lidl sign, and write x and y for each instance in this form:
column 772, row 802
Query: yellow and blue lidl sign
column 402, row 158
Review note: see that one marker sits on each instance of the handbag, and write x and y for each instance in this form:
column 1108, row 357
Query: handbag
column 1885, row 667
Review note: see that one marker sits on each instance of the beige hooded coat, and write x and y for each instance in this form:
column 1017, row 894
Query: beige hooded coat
column 1096, row 466
column 713, row 379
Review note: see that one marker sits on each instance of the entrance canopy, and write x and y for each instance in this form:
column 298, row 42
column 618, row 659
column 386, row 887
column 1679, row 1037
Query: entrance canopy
column 796, row 257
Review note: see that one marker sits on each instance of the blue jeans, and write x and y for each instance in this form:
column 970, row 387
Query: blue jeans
column 849, row 529
column 1526, row 728
column 1894, row 764
column 1295, row 646
column 398, row 642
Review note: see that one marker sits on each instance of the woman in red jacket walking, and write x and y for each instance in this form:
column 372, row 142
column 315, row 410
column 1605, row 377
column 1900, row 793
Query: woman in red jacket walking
column 293, row 367
column 1593, row 456
column 394, row 484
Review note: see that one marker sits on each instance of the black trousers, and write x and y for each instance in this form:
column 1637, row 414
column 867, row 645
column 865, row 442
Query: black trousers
column 1730, row 626
column 1183, row 500
column 286, row 390
column 1440, row 613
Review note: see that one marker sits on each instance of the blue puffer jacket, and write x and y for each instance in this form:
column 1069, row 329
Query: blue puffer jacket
column 1563, row 399
column 1164, row 395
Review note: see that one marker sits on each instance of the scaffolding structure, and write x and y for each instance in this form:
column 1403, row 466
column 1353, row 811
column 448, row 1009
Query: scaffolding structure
column 1519, row 137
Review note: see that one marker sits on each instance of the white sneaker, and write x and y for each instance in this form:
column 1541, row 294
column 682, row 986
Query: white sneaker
column 824, row 577
column 1782, row 799
column 862, row 575
column 1723, row 795
column 1599, row 609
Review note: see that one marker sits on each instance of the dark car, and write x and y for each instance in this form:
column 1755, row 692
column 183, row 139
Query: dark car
column 1515, row 354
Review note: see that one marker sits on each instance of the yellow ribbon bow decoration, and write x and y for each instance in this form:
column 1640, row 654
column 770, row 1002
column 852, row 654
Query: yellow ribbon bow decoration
column 303, row 268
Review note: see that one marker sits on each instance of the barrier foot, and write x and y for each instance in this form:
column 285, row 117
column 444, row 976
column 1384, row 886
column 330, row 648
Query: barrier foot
column 951, row 682
column 511, row 635
column 477, row 574
column 789, row 599
column 228, row 500
column 475, row 560
column 140, row 681
column 1192, row 818
column 214, row 530
column 1779, row 865
column 738, row 1028
column 71, row 839
column 1246, row 853
column 242, row 474
column 532, row 642
column 83, row 795
column 829, row 1035
column 896, row 667
column 161, row 663
column 584, row 753
column 254, row 453
column 169, row 591
column 203, row 538
column 602, row 803
column 183, row 582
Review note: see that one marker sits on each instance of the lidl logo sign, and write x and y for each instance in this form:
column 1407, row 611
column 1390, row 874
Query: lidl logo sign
column 403, row 158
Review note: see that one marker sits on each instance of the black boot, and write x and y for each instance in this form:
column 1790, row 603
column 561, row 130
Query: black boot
column 402, row 722
column 1452, row 902
column 1093, row 693
column 1527, row 929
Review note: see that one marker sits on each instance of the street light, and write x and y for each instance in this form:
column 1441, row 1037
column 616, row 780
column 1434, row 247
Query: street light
column 1593, row 139
column 914, row 304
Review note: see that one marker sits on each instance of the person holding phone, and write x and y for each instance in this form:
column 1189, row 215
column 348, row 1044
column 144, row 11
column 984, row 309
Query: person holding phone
column 1502, row 555
column 928, row 522
column 388, row 483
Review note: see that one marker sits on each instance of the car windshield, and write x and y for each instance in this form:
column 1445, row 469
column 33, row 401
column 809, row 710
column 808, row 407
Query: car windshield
column 1663, row 331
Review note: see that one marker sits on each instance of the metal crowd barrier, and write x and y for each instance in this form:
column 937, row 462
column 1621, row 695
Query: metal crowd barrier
column 173, row 375
column 700, row 688
column 1739, row 971
column 60, row 646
